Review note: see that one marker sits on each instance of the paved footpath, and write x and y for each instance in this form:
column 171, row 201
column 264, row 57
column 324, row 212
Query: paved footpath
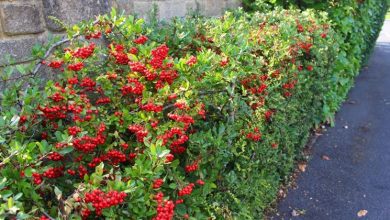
column 357, row 175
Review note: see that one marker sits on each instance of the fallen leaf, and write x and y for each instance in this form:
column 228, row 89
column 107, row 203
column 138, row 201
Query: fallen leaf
column 298, row 212
column 282, row 193
column 362, row 213
column 324, row 157
column 302, row 167
column 294, row 213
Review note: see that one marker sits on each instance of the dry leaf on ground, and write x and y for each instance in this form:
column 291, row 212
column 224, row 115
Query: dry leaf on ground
column 302, row 167
column 298, row 212
column 362, row 213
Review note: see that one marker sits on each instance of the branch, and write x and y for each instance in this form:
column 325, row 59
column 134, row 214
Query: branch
column 47, row 215
column 48, row 52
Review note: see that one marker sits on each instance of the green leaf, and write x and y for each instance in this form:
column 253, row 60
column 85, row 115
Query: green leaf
column 18, row 196
column 10, row 203
column 173, row 186
column 99, row 169
column 66, row 150
column 28, row 172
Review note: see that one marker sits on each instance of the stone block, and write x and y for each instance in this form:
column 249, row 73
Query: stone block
column 167, row 9
column 21, row 19
column 127, row 6
column 170, row 9
column 212, row 7
column 18, row 49
column 233, row 4
column 73, row 11
column 142, row 8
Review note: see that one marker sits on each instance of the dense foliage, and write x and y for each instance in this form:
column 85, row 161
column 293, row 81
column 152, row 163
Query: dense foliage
column 198, row 118
column 357, row 22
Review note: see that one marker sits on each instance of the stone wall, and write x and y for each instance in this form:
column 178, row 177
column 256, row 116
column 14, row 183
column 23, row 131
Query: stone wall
column 26, row 22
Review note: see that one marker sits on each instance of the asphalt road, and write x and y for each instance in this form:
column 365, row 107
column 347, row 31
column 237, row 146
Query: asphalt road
column 357, row 176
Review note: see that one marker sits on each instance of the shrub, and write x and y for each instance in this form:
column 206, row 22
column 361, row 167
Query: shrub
column 199, row 118
column 358, row 24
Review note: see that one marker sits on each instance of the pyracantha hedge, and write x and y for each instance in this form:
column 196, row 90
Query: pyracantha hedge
column 196, row 119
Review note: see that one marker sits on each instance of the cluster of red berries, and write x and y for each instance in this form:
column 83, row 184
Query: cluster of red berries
column 84, row 52
column 290, row 85
column 37, row 178
column 56, row 97
column 258, row 90
column 138, row 67
column 176, row 144
column 53, row 112
column 119, row 54
column 158, row 183
column 71, row 172
column 159, row 54
column 181, row 105
column 132, row 156
column 22, row 119
column 87, row 144
column 54, row 156
column 305, row 46
column 73, row 81
column 141, row 39
column 154, row 124
column 56, row 64
column 54, row 172
column 101, row 200
column 168, row 76
column 95, row 161
column 192, row 61
column 76, row 66
column 88, row 83
column 151, row 107
column 82, row 171
column 186, row 119
column 254, row 136
column 202, row 111
column 74, row 130
column 192, row 167
column 95, row 35
column 169, row 158
column 256, row 84
column 140, row 132
column 103, row 100
column 137, row 89
column 187, row 190
column 85, row 213
column 165, row 208
column 115, row 157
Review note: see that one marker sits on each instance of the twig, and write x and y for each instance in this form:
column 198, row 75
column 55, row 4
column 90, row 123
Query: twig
column 48, row 52
column 232, row 113
column 47, row 215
